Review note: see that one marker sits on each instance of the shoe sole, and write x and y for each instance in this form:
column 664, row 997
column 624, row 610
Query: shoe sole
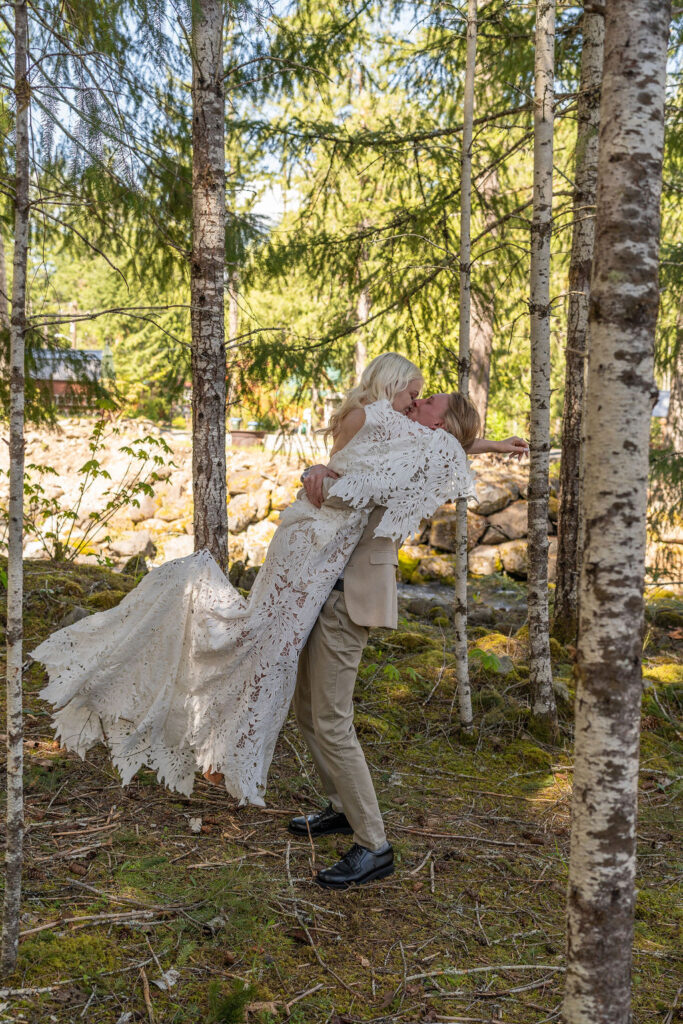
column 372, row 877
column 304, row 833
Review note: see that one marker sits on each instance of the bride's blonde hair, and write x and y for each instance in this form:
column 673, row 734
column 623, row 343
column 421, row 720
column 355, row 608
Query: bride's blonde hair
column 383, row 377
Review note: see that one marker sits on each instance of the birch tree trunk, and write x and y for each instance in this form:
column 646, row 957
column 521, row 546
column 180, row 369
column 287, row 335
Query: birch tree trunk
column 15, row 569
column 583, row 235
column 619, row 399
column 460, row 605
column 673, row 427
column 207, row 281
column 540, row 673
column 4, row 303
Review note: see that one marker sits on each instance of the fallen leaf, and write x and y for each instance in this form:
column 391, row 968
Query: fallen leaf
column 195, row 824
column 267, row 1007
column 364, row 961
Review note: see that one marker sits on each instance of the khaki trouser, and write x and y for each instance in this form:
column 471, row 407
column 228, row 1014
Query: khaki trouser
column 323, row 704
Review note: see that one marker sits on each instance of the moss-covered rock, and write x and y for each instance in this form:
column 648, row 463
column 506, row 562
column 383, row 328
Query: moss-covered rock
column 105, row 599
column 670, row 672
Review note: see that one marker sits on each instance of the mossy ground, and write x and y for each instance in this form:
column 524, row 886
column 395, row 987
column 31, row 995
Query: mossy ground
column 480, row 827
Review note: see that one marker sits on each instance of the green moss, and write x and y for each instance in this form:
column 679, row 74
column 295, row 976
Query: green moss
column 407, row 564
column 411, row 641
column 672, row 672
column 529, row 754
column 105, row 599
column 50, row 955
column 557, row 651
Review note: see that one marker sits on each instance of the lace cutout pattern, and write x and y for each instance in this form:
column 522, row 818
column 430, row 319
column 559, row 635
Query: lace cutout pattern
column 185, row 673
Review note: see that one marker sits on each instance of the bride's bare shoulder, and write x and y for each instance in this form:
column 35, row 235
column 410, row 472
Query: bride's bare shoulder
column 348, row 428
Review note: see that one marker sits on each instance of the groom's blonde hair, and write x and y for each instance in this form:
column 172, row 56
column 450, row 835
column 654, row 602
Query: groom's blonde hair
column 462, row 419
column 383, row 377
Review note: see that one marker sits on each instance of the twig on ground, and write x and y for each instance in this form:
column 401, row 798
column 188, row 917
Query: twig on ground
column 146, row 995
column 421, row 864
column 302, row 995
column 454, row 972
column 465, row 839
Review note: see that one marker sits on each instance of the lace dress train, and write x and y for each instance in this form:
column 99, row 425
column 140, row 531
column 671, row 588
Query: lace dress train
column 186, row 674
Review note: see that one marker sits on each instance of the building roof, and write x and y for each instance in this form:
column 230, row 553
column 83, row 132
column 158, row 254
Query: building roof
column 67, row 364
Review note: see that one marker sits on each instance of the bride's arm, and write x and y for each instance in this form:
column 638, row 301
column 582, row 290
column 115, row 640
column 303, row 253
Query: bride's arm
column 313, row 477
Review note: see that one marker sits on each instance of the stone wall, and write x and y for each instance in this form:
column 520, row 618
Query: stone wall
column 260, row 485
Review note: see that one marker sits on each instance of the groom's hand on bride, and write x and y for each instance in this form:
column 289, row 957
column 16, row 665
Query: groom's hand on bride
column 313, row 483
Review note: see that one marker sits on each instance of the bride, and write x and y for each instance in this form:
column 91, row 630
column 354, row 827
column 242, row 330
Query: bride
column 185, row 673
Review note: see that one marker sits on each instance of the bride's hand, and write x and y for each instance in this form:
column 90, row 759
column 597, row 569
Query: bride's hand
column 313, row 483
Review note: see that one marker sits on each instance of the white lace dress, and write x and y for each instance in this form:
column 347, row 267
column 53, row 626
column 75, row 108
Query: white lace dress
column 186, row 674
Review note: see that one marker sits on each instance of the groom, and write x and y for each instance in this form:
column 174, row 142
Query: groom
column 364, row 597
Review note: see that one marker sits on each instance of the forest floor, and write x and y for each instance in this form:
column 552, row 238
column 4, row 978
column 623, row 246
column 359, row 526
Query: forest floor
column 140, row 905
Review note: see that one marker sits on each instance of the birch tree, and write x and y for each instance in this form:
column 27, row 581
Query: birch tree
column 540, row 672
column 15, row 569
column 583, row 234
column 460, row 609
column 619, row 398
column 207, row 281
column 4, row 303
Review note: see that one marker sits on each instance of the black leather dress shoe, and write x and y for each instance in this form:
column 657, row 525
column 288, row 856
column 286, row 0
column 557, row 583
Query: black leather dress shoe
column 357, row 867
column 322, row 823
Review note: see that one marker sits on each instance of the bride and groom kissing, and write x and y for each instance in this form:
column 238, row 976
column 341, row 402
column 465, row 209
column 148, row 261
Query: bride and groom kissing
column 185, row 674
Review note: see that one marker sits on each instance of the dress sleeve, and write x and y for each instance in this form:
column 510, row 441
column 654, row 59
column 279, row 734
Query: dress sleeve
column 403, row 466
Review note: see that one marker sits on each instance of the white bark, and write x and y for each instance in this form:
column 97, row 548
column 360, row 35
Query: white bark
column 460, row 603
column 540, row 672
column 15, row 569
column 619, row 397
column 360, row 352
column 4, row 299
column 583, row 236
column 207, row 281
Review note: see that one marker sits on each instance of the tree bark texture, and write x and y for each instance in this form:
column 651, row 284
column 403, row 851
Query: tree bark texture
column 15, row 568
column 360, row 352
column 619, row 398
column 540, row 672
column 4, row 299
column 673, row 427
column 460, row 604
column 207, row 282
column 483, row 318
column 583, row 235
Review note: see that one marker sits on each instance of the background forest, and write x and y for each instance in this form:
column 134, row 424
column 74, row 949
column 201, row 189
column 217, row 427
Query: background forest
column 343, row 153
column 342, row 130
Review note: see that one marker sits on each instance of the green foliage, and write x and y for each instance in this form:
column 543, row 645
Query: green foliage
column 62, row 531
column 488, row 661
column 228, row 1009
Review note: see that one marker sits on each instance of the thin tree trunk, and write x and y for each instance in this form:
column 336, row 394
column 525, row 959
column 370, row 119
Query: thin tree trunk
column 481, row 345
column 15, row 569
column 540, row 672
column 207, row 281
column 483, row 316
column 460, row 603
column 619, row 399
column 673, row 427
column 360, row 352
column 583, row 235
column 4, row 300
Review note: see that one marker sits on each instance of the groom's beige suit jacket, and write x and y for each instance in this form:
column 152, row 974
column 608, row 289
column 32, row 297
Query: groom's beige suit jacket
column 370, row 575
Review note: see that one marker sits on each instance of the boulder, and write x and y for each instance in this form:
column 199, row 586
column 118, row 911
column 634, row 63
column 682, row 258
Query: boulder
column 236, row 552
column 494, row 535
column 178, row 547
column 494, row 495
column 262, row 498
column 439, row 568
column 133, row 542
column 513, row 554
column 242, row 511
column 484, row 560
column 145, row 511
column 282, row 496
column 256, row 541
column 512, row 521
column 244, row 481
column 443, row 529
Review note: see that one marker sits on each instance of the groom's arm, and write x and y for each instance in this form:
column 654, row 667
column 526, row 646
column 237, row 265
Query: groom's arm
column 515, row 446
